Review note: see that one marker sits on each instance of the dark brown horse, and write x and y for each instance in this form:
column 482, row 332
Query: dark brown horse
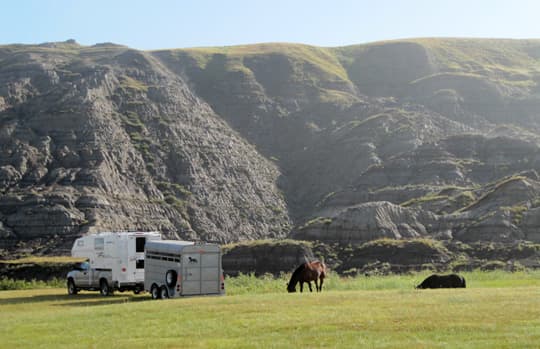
column 443, row 281
column 307, row 272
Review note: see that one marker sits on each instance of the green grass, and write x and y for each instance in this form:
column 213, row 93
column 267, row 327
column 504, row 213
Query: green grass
column 132, row 84
column 498, row 310
column 319, row 57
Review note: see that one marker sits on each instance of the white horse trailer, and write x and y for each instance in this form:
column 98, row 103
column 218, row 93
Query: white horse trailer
column 120, row 252
column 182, row 268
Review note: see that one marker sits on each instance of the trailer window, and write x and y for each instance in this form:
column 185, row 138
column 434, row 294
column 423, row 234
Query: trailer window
column 139, row 264
column 99, row 244
column 139, row 244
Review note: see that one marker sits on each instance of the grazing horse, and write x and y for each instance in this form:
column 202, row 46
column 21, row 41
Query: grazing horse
column 307, row 272
column 443, row 281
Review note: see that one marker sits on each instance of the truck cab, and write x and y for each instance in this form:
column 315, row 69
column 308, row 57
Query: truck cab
column 83, row 277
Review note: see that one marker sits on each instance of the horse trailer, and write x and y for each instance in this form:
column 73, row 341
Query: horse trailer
column 121, row 254
column 182, row 268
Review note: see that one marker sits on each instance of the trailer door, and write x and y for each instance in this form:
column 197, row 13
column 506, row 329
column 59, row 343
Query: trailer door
column 191, row 274
column 210, row 273
column 201, row 273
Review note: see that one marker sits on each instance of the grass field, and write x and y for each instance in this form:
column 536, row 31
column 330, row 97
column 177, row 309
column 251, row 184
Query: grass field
column 497, row 310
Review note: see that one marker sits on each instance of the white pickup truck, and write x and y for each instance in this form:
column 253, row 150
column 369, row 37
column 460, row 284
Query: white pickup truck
column 83, row 277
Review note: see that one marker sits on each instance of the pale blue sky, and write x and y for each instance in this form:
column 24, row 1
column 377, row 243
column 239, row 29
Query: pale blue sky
column 175, row 24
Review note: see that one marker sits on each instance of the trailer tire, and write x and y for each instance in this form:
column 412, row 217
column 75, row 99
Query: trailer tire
column 104, row 288
column 170, row 278
column 71, row 288
column 154, row 292
column 164, row 292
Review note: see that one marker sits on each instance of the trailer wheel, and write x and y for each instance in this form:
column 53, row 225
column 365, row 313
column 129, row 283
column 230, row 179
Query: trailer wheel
column 164, row 292
column 136, row 291
column 71, row 288
column 104, row 288
column 170, row 278
column 154, row 291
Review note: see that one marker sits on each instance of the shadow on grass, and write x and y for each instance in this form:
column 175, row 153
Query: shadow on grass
column 76, row 300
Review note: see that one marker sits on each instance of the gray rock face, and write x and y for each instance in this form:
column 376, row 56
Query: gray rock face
column 111, row 140
column 369, row 221
column 397, row 139
column 266, row 257
column 412, row 253
column 530, row 223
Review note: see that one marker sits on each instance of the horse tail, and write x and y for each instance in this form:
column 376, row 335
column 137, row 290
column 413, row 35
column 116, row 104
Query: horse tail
column 325, row 270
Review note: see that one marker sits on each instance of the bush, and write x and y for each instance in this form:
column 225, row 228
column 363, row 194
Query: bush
column 11, row 284
column 493, row 265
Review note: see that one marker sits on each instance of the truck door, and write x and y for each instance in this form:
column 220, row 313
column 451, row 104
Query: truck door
column 140, row 243
column 191, row 274
column 83, row 275
column 135, row 258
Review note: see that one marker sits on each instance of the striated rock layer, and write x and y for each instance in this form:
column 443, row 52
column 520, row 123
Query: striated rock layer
column 106, row 138
column 411, row 138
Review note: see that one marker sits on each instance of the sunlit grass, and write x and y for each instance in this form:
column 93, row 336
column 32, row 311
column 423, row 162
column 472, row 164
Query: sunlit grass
column 498, row 310
column 43, row 260
column 249, row 284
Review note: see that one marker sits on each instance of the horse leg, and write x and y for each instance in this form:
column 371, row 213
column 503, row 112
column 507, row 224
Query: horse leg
column 320, row 284
column 301, row 286
column 317, row 285
column 310, row 289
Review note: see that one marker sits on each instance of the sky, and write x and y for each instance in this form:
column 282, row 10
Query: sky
column 157, row 24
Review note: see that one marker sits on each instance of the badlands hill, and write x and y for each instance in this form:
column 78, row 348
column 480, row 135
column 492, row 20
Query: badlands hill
column 411, row 138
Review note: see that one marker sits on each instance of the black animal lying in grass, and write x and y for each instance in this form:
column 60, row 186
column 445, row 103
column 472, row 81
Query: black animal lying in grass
column 443, row 281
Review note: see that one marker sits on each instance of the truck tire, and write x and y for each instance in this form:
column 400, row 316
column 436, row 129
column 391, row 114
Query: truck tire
column 164, row 292
column 170, row 278
column 71, row 288
column 104, row 288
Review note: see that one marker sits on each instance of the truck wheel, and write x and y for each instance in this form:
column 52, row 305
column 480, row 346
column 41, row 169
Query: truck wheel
column 170, row 278
column 164, row 292
column 154, row 291
column 104, row 288
column 72, row 290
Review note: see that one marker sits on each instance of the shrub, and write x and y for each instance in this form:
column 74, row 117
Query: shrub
column 11, row 284
column 493, row 265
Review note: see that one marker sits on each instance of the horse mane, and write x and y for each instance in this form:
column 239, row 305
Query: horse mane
column 295, row 277
column 297, row 272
